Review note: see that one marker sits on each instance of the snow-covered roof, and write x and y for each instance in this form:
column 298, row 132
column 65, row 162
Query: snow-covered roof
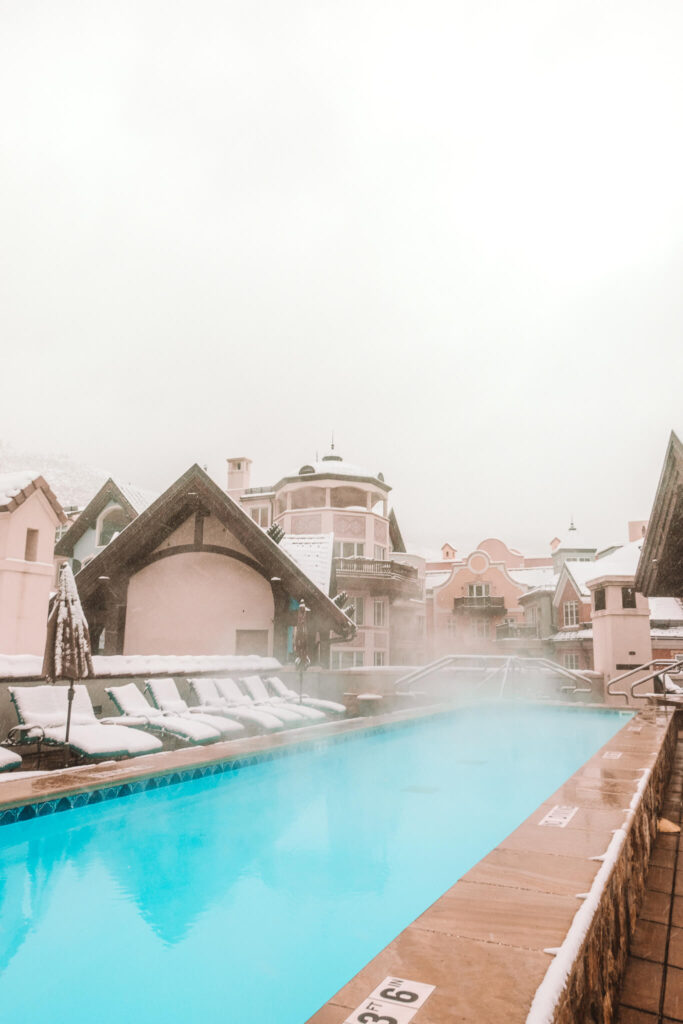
column 312, row 552
column 581, row 572
column 575, row 540
column 436, row 578
column 622, row 562
column 673, row 633
column 140, row 499
column 334, row 465
column 535, row 577
column 666, row 609
column 17, row 487
column 573, row 634
column 12, row 484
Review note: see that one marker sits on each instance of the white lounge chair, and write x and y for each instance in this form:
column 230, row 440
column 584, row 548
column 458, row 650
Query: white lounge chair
column 257, row 690
column 213, row 702
column 43, row 710
column 8, row 760
column 164, row 693
column 136, row 711
column 280, row 689
column 232, row 691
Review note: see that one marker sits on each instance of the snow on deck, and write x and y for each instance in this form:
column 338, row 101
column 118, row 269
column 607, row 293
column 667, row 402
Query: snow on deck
column 27, row 666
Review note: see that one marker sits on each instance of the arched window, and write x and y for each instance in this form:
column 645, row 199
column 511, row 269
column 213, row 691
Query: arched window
column 113, row 520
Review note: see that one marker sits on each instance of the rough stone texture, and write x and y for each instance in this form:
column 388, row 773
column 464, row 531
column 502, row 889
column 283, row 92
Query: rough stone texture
column 592, row 990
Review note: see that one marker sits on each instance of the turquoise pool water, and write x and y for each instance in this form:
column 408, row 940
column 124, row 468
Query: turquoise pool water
column 253, row 896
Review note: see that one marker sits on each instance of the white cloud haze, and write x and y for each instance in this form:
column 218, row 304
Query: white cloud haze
column 452, row 232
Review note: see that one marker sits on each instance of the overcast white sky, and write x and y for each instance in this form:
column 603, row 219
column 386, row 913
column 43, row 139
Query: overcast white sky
column 452, row 232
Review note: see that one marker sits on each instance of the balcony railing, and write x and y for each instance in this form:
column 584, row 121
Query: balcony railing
column 517, row 632
column 488, row 605
column 375, row 567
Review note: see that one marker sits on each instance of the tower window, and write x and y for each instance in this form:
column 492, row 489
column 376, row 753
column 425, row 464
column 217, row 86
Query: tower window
column 31, row 549
column 628, row 597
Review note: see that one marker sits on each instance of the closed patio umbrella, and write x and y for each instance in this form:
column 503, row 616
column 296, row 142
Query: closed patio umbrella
column 67, row 647
column 302, row 660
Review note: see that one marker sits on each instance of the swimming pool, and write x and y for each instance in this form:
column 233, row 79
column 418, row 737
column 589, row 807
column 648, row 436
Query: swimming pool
column 255, row 895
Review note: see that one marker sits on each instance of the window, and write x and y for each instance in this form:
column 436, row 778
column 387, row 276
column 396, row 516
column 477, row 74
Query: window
column 599, row 599
column 451, row 625
column 356, row 609
column 113, row 521
column 349, row 549
column 379, row 619
column 380, row 552
column 261, row 515
column 481, row 628
column 571, row 661
column 571, row 613
column 31, row 549
column 346, row 659
column 478, row 589
column 628, row 597
column 379, row 658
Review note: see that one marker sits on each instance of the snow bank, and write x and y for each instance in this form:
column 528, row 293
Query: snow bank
column 27, row 666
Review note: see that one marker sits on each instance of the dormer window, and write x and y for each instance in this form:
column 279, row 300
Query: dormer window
column 113, row 520
column 306, row 470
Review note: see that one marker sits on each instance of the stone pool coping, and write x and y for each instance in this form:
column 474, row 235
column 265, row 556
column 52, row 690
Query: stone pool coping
column 484, row 943
column 487, row 944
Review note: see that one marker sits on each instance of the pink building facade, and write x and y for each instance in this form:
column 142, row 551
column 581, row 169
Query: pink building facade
column 29, row 516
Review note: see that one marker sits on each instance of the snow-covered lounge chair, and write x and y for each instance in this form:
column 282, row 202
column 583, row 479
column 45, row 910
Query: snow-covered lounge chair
column 229, row 689
column 258, row 692
column 164, row 693
column 280, row 689
column 136, row 711
column 213, row 702
column 42, row 710
column 8, row 760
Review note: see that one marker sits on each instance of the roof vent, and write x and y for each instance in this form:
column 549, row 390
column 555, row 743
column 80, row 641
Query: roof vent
column 380, row 476
column 332, row 458
column 306, row 469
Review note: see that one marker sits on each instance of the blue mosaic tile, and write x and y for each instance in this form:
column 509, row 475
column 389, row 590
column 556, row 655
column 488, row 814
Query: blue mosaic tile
column 26, row 812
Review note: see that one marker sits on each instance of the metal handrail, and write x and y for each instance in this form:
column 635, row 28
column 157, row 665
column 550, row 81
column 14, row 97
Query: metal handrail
column 501, row 663
column 659, row 662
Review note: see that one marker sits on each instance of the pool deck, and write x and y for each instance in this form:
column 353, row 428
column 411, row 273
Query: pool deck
column 652, row 991
column 487, row 943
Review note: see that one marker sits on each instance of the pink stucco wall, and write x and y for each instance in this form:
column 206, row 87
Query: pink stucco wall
column 25, row 586
column 194, row 603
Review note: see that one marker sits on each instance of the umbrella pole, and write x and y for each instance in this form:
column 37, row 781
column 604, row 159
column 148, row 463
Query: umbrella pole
column 70, row 699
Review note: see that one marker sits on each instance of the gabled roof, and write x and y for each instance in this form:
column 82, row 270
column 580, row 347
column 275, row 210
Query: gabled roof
column 577, row 573
column 660, row 569
column 16, row 487
column 193, row 491
column 133, row 501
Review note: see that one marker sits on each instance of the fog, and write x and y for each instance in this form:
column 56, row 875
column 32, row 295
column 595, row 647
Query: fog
column 452, row 233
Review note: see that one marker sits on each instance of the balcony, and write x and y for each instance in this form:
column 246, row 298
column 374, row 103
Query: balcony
column 378, row 575
column 508, row 631
column 479, row 605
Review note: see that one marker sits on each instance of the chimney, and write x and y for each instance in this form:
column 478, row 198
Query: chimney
column 239, row 476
